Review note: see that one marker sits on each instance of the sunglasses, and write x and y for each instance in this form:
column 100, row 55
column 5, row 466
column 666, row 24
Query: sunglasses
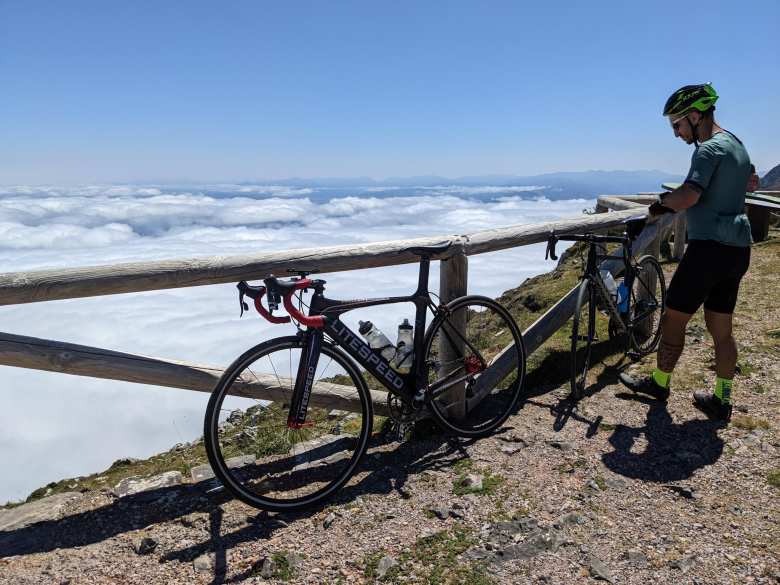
column 676, row 123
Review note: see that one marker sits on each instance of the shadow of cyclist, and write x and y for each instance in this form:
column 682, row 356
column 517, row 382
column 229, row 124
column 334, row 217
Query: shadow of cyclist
column 672, row 452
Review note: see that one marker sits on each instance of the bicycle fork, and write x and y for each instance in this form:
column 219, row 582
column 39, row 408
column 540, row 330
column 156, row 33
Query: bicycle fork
column 304, row 381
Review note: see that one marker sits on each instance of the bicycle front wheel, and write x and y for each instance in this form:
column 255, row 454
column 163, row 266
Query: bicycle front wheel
column 263, row 460
column 647, row 301
column 475, row 359
column 583, row 331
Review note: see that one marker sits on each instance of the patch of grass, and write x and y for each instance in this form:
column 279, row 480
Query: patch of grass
column 371, row 563
column 433, row 560
column 572, row 466
column 749, row 423
column 282, row 568
column 745, row 368
column 773, row 478
column 489, row 484
column 600, row 482
column 604, row 426
column 463, row 465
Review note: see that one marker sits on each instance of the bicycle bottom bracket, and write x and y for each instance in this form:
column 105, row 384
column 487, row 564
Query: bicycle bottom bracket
column 400, row 411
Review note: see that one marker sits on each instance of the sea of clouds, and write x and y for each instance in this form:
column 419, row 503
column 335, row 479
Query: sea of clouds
column 54, row 425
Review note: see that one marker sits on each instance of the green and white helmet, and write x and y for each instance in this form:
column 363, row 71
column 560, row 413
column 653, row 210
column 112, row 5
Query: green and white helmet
column 691, row 97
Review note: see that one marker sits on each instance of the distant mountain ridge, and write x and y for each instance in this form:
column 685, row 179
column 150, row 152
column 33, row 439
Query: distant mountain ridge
column 554, row 185
column 771, row 181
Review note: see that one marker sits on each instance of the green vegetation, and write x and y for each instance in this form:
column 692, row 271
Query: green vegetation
column 745, row 368
column 572, row 466
column 283, row 569
column 433, row 560
column 773, row 478
column 181, row 459
column 465, row 467
column 749, row 423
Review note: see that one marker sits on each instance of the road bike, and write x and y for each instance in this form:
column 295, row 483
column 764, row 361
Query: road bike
column 635, row 318
column 290, row 419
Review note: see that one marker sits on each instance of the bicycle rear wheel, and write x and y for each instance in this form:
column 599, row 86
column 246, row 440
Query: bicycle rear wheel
column 473, row 387
column 583, row 332
column 646, row 304
column 263, row 460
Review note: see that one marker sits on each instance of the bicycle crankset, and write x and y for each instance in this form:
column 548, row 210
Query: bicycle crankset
column 400, row 411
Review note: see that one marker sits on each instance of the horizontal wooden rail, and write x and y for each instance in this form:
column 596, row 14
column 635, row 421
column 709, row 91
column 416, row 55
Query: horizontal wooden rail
column 94, row 362
column 47, row 285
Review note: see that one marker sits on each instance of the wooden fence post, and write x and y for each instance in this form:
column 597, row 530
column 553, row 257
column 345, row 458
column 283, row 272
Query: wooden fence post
column 453, row 283
column 680, row 227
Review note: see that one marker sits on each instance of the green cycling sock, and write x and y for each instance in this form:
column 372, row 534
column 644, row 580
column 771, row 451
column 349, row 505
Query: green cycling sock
column 723, row 390
column 661, row 378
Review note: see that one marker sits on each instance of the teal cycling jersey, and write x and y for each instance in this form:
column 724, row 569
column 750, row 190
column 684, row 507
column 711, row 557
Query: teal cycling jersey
column 720, row 167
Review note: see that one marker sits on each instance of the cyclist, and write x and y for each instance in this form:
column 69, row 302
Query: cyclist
column 718, row 252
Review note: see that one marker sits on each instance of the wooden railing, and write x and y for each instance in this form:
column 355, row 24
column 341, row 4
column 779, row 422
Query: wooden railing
column 57, row 356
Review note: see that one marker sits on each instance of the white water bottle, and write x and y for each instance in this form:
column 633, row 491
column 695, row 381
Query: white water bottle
column 404, row 353
column 377, row 340
column 609, row 282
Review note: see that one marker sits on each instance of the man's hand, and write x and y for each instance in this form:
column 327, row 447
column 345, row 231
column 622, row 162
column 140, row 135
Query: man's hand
column 658, row 208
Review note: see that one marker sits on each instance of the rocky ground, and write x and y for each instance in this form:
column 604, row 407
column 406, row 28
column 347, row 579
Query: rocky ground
column 617, row 488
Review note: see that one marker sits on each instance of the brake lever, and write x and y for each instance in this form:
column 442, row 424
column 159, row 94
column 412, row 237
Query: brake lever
column 241, row 286
column 242, row 305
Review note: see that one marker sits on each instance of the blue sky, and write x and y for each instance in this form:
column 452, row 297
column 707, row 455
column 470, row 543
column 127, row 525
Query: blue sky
column 203, row 91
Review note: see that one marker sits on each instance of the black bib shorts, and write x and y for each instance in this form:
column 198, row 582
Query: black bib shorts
column 709, row 273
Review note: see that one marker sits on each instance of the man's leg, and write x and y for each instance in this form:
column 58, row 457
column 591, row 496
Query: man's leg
column 673, row 325
column 720, row 327
column 718, row 404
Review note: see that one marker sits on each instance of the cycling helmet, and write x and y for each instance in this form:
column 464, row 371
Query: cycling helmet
column 691, row 97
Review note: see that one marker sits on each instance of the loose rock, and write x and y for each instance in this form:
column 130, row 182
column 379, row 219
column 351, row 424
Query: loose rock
column 145, row 546
column 385, row 564
column 599, row 570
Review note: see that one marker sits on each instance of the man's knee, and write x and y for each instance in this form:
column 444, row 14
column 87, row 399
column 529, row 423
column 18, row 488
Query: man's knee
column 720, row 326
column 673, row 324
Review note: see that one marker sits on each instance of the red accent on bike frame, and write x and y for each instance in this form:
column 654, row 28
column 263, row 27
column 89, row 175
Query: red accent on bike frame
column 313, row 322
column 473, row 364
column 294, row 425
column 262, row 310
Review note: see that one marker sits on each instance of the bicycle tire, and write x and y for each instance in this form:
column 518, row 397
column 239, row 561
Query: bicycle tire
column 487, row 329
column 286, row 468
column 582, row 335
column 645, row 334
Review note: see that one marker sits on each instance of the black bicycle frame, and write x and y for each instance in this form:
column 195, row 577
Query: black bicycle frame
column 409, row 386
column 592, row 273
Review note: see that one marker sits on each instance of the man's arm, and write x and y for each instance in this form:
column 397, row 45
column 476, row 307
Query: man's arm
column 685, row 196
